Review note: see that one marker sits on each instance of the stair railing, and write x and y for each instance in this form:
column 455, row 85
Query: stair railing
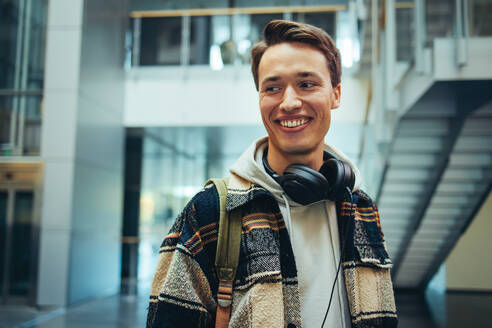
column 461, row 35
column 419, row 30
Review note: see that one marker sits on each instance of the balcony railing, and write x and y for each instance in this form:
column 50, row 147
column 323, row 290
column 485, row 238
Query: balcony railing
column 219, row 37
column 20, row 123
column 22, row 44
column 402, row 40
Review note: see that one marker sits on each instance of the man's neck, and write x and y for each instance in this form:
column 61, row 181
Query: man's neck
column 279, row 161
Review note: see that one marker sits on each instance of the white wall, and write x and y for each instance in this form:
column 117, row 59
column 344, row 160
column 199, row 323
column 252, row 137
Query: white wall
column 194, row 96
column 469, row 266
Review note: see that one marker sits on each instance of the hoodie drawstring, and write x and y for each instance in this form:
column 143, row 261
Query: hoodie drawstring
column 289, row 220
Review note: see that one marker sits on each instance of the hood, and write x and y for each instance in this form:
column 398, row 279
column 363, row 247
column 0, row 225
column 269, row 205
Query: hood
column 249, row 166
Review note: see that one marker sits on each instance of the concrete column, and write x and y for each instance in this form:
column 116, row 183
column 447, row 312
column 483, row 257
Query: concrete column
column 63, row 44
column 82, row 149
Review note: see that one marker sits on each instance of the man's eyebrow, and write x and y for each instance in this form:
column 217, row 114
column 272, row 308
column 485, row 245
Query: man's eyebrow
column 275, row 78
column 272, row 78
column 307, row 74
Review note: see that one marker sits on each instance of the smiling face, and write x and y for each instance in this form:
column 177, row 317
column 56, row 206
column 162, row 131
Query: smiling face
column 296, row 99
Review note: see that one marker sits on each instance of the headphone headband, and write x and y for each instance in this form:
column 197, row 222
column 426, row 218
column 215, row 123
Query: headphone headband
column 305, row 185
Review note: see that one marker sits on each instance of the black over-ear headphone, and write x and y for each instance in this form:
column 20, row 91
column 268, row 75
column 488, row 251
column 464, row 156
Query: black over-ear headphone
column 305, row 185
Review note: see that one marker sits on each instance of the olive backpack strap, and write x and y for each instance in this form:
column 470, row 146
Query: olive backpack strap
column 227, row 253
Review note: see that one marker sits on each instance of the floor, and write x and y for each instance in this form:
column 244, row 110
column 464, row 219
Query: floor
column 108, row 312
column 452, row 310
column 462, row 310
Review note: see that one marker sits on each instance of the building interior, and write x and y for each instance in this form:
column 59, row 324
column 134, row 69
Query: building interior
column 113, row 114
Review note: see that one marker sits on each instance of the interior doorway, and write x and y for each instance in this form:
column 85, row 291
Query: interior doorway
column 19, row 232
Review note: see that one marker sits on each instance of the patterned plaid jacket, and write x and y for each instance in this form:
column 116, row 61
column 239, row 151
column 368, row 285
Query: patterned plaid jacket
column 265, row 293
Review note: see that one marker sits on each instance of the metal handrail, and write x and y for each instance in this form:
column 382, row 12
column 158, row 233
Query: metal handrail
column 235, row 11
column 461, row 37
column 249, row 10
column 419, row 14
column 13, row 92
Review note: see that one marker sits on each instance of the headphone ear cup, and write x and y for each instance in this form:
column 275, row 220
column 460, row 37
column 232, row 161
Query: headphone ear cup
column 339, row 176
column 303, row 184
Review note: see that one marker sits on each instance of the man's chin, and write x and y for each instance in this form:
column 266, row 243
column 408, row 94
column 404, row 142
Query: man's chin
column 298, row 150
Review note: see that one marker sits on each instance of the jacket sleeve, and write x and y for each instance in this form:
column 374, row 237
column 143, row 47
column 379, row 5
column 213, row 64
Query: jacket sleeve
column 367, row 267
column 181, row 293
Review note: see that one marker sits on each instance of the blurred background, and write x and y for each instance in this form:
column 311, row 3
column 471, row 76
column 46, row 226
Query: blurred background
column 114, row 113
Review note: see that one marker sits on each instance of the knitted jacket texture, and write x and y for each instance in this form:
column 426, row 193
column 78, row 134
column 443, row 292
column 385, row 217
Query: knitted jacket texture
column 265, row 291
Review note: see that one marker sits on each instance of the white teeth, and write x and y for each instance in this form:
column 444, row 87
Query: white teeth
column 293, row 123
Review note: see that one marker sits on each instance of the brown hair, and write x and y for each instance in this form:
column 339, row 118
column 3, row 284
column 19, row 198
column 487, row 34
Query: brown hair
column 279, row 31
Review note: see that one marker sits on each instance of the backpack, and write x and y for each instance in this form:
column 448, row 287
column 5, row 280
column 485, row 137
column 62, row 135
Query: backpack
column 227, row 253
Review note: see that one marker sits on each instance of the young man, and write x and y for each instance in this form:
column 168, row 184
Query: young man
column 302, row 212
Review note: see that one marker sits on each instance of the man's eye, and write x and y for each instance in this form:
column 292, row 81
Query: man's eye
column 307, row 85
column 272, row 89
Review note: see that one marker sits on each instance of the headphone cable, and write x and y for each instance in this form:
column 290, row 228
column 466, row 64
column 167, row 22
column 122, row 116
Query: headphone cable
column 347, row 229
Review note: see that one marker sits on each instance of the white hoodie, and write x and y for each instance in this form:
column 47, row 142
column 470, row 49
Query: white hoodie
column 313, row 232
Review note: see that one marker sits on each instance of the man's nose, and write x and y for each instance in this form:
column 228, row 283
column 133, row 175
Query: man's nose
column 290, row 100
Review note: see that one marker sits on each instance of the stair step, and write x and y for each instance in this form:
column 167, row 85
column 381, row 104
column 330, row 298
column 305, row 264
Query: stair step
column 401, row 213
column 427, row 127
column 473, row 144
column 419, row 144
column 463, row 187
column 413, row 161
column 448, row 200
column 470, row 160
column 449, row 212
column 408, row 175
column 478, row 126
column 453, row 174
column 438, row 112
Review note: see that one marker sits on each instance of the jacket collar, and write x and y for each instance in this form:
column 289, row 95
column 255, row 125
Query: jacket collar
column 241, row 191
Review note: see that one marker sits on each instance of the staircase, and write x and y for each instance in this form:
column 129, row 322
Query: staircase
column 438, row 166
column 438, row 173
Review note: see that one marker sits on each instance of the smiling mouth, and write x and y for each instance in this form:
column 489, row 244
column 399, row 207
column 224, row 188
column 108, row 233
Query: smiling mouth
column 293, row 123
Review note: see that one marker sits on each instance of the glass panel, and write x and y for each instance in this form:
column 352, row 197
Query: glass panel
column 480, row 13
column 17, row 71
column 3, row 233
column 348, row 38
column 176, row 162
column 10, row 19
column 404, row 34
column 6, row 144
column 160, row 41
column 258, row 23
column 216, row 40
column 243, row 37
column 11, row 109
column 248, row 29
column 21, row 250
column 178, row 4
column 223, row 40
column 32, row 127
column 325, row 21
column 439, row 19
column 37, row 44
column 200, row 40
column 172, row 172
column 221, row 52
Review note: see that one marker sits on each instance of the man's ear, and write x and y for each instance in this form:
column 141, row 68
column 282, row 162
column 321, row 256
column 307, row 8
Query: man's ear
column 336, row 92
